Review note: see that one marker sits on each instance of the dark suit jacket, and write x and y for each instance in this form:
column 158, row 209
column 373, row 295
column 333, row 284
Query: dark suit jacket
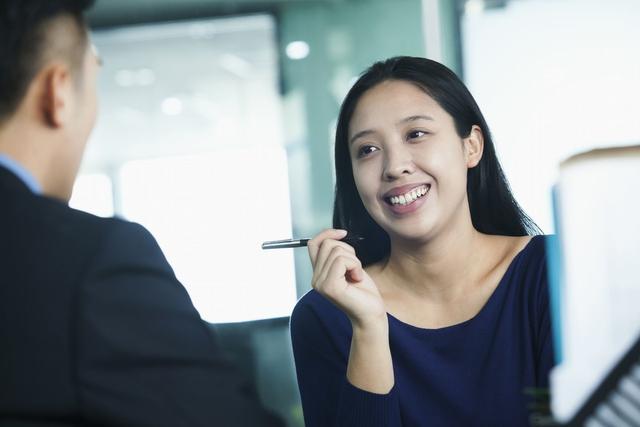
column 95, row 329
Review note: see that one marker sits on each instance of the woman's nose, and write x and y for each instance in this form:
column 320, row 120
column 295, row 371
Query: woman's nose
column 398, row 162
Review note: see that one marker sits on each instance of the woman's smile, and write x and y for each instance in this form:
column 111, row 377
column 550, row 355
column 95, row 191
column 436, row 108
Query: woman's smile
column 406, row 199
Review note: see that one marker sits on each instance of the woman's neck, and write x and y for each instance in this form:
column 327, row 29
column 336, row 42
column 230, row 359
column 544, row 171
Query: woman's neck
column 440, row 269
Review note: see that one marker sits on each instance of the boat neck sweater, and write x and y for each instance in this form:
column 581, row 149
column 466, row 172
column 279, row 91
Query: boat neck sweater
column 487, row 371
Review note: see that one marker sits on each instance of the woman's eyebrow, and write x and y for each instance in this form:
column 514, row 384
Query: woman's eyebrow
column 414, row 118
column 405, row 120
column 360, row 135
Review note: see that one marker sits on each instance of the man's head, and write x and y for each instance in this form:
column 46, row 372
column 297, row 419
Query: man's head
column 47, row 88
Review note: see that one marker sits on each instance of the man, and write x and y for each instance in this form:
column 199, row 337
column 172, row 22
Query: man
column 94, row 327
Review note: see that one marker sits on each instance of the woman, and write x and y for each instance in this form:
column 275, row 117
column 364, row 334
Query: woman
column 439, row 315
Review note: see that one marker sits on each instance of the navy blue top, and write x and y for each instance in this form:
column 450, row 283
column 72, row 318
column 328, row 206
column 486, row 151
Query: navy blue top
column 475, row 373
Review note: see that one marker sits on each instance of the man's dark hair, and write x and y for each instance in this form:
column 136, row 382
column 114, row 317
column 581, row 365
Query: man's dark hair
column 24, row 43
column 493, row 208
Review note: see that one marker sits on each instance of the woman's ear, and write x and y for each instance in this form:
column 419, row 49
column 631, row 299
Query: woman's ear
column 57, row 92
column 474, row 146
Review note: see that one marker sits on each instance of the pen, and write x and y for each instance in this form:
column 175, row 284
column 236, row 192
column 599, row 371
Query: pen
column 298, row 243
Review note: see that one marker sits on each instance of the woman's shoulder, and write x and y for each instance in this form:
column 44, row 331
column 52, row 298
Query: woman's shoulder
column 527, row 272
column 317, row 325
column 534, row 249
column 312, row 307
column 522, row 261
column 312, row 300
column 523, row 248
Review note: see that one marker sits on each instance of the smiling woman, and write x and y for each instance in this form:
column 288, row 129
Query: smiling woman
column 439, row 316
column 402, row 151
column 492, row 206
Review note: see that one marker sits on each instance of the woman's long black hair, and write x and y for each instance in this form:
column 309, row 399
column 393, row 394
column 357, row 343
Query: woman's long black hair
column 493, row 208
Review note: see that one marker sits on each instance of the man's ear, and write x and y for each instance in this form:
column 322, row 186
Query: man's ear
column 57, row 92
column 474, row 146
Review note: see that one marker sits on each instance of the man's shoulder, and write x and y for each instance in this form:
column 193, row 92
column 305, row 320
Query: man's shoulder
column 44, row 218
column 112, row 229
column 120, row 241
column 62, row 212
column 39, row 208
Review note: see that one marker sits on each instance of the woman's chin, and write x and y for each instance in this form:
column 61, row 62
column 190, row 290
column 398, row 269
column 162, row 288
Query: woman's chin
column 411, row 236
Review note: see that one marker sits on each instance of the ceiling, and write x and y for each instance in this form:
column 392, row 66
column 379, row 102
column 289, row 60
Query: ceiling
column 109, row 13
column 185, row 87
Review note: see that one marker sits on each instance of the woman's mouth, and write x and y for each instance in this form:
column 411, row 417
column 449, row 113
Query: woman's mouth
column 409, row 197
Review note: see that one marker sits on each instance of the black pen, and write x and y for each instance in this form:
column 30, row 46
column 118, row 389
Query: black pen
column 298, row 243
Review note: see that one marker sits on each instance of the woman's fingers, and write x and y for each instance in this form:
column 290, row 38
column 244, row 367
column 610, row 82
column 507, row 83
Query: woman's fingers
column 314, row 245
column 335, row 280
column 340, row 268
column 356, row 274
column 338, row 275
column 335, row 269
column 328, row 254
column 329, row 247
column 345, row 267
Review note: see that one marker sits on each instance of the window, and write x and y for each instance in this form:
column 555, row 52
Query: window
column 190, row 135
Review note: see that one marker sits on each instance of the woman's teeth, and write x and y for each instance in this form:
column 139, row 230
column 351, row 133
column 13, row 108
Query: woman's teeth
column 410, row 197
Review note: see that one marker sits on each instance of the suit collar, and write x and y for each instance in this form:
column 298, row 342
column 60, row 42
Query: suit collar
column 9, row 180
column 21, row 173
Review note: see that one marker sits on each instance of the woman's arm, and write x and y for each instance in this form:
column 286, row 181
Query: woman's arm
column 345, row 370
column 370, row 365
column 338, row 275
column 321, row 337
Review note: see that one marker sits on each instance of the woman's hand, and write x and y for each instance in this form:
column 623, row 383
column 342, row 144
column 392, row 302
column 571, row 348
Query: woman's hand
column 339, row 276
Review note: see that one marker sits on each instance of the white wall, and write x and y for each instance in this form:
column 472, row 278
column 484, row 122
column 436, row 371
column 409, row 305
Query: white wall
column 553, row 77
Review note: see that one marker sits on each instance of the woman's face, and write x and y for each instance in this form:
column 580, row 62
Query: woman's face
column 409, row 163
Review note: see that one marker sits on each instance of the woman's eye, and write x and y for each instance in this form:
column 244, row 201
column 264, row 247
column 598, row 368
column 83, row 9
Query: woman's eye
column 365, row 150
column 416, row 134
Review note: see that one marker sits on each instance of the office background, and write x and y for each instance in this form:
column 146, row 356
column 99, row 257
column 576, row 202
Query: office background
column 217, row 118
